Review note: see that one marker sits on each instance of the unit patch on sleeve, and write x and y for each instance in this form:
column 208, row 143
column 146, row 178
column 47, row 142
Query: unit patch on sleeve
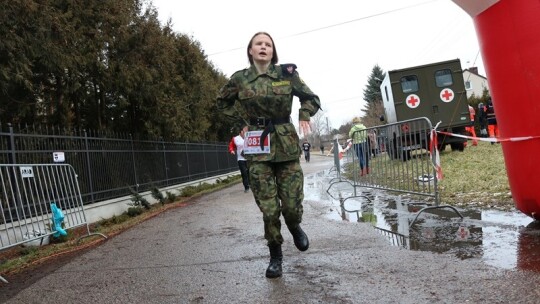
column 288, row 68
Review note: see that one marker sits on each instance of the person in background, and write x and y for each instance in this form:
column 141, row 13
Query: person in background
column 322, row 149
column 470, row 128
column 358, row 134
column 341, row 150
column 482, row 119
column 306, row 146
column 236, row 147
column 373, row 144
column 264, row 93
column 332, row 149
column 347, row 146
column 493, row 130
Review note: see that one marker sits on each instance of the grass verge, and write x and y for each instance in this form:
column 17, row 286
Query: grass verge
column 476, row 177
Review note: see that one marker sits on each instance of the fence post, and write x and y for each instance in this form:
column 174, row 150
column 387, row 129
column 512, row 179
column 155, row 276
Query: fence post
column 204, row 160
column 134, row 163
column 88, row 166
column 187, row 162
column 12, row 159
column 165, row 162
column 337, row 158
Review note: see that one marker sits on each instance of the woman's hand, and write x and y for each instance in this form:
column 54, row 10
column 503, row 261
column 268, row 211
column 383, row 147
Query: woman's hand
column 305, row 127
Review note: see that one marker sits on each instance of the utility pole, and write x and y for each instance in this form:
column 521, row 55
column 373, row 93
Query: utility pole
column 327, row 127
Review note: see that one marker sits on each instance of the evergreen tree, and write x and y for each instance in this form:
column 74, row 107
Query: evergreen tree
column 474, row 100
column 372, row 95
column 105, row 65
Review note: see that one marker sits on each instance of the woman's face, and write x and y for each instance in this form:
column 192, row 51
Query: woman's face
column 261, row 49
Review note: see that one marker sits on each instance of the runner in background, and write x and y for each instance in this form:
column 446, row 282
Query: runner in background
column 236, row 147
column 306, row 146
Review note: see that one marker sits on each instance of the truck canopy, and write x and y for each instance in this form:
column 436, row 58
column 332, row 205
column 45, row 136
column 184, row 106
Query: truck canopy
column 435, row 91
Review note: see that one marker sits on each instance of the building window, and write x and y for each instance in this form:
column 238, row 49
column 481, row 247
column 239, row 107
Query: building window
column 409, row 84
column 443, row 78
column 468, row 85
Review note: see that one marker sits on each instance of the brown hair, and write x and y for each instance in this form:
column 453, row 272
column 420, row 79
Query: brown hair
column 274, row 56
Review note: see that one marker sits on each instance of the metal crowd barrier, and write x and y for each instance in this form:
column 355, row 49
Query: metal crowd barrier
column 393, row 157
column 38, row 201
column 337, row 154
column 395, row 238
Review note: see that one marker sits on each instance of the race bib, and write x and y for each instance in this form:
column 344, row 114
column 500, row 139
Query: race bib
column 252, row 143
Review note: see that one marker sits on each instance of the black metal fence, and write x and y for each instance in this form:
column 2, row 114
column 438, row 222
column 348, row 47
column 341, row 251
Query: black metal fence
column 108, row 165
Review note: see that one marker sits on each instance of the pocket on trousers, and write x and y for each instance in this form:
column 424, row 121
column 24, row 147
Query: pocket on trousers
column 290, row 141
column 262, row 183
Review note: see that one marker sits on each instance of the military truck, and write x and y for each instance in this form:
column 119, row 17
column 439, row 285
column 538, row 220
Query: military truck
column 435, row 91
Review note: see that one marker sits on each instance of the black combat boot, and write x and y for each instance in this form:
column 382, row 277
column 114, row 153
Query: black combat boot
column 276, row 259
column 300, row 238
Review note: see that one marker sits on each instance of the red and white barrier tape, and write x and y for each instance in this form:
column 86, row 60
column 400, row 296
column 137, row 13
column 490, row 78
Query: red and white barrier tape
column 437, row 159
column 434, row 150
column 491, row 139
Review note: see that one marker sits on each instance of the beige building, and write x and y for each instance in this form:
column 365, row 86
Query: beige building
column 474, row 82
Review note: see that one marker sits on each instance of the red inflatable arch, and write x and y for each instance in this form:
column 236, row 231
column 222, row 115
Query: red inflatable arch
column 509, row 36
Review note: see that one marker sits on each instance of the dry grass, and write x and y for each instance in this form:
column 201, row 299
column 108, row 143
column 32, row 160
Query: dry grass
column 475, row 177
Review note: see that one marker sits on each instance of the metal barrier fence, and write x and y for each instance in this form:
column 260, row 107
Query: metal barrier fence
column 37, row 201
column 394, row 157
column 110, row 164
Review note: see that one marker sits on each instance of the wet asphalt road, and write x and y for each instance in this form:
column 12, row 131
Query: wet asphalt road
column 213, row 251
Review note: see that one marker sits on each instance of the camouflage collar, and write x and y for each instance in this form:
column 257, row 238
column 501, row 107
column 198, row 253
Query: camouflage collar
column 251, row 73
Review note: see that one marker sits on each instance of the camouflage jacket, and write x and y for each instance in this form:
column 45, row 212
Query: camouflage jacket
column 248, row 96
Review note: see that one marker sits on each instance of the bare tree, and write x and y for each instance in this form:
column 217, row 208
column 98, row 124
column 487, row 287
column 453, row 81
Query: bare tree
column 319, row 126
column 372, row 114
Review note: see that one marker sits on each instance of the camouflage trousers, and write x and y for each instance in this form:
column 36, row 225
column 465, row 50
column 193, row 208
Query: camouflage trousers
column 278, row 189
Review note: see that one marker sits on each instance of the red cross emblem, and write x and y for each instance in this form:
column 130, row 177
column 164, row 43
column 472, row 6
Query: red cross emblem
column 447, row 95
column 412, row 101
column 428, row 233
column 463, row 233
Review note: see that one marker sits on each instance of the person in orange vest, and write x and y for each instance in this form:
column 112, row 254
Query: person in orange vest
column 493, row 130
column 470, row 129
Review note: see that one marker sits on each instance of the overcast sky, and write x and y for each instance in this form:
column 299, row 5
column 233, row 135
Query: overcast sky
column 335, row 44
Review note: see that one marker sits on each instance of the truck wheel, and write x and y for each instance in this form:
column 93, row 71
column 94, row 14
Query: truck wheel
column 458, row 147
column 405, row 155
column 392, row 149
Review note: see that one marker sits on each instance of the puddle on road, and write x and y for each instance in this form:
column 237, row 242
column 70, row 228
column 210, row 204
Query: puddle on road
column 508, row 240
